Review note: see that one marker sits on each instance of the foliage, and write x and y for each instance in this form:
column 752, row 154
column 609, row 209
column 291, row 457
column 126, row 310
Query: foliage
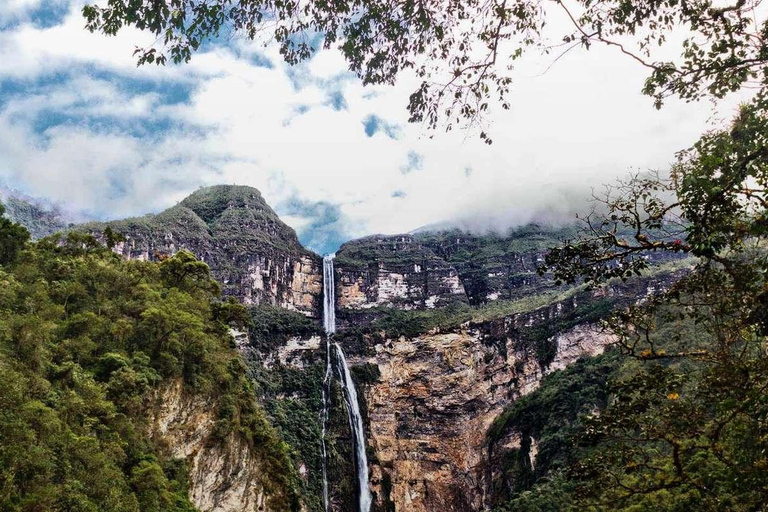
column 542, row 335
column 12, row 238
column 684, row 428
column 463, row 51
column 459, row 247
column 553, row 415
column 410, row 324
column 271, row 326
column 292, row 398
column 85, row 338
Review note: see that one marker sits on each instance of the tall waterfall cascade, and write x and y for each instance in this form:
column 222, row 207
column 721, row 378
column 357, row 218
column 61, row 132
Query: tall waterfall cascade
column 356, row 425
column 329, row 295
column 329, row 324
column 350, row 393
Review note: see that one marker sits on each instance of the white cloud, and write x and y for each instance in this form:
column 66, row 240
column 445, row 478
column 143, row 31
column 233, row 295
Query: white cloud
column 13, row 8
column 578, row 125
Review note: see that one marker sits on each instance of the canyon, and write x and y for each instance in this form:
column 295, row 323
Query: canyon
column 442, row 332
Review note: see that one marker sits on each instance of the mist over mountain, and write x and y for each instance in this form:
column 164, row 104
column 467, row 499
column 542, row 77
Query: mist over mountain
column 332, row 256
column 40, row 216
column 554, row 205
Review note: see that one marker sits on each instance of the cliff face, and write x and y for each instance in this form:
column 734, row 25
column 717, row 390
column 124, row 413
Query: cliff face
column 255, row 256
column 394, row 271
column 437, row 397
column 224, row 475
column 431, row 270
column 438, row 394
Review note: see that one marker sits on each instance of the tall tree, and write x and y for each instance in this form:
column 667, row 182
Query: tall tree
column 685, row 428
column 12, row 238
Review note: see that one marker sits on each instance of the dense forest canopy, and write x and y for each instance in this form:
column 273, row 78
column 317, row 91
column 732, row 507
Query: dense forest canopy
column 86, row 339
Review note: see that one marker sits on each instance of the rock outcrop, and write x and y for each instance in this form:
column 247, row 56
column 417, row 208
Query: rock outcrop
column 439, row 393
column 255, row 256
column 394, row 271
column 225, row 475
column 432, row 408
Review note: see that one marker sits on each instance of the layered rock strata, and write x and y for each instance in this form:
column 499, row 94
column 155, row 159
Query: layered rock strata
column 252, row 253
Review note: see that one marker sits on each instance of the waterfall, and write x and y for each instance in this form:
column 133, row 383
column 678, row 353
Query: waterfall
column 356, row 425
column 350, row 393
column 326, row 395
column 329, row 323
column 329, row 295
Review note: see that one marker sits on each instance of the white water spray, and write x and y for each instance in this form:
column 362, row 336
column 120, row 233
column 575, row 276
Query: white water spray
column 329, row 295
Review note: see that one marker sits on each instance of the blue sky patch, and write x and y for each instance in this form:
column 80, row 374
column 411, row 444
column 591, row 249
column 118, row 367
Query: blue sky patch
column 327, row 227
column 48, row 13
column 373, row 124
column 336, row 101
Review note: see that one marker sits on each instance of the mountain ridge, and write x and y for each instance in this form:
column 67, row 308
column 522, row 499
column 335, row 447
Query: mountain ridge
column 254, row 255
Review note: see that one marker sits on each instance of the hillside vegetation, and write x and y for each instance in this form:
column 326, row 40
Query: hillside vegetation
column 85, row 338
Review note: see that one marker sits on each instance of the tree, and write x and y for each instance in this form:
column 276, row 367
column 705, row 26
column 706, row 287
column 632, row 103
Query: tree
column 685, row 425
column 88, row 342
column 13, row 237
column 184, row 271
column 463, row 50
column 112, row 237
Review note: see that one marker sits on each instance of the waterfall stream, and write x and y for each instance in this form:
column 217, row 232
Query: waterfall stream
column 356, row 425
column 329, row 323
column 329, row 295
column 350, row 393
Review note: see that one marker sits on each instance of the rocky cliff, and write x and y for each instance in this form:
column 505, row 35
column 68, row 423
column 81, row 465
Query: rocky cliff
column 443, row 332
column 432, row 390
column 394, row 271
column 439, row 393
column 431, row 270
column 225, row 475
column 255, row 256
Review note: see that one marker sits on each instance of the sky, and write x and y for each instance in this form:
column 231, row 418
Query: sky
column 83, row 126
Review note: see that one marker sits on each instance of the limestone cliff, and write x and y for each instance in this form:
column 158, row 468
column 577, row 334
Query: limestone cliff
column 430, row 398
column 427, row 270
column 394, row 271
column 225, row 475
column 438, row 395
column 255, row 256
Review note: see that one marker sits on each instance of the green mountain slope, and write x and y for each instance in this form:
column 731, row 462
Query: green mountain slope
column 87, row 339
